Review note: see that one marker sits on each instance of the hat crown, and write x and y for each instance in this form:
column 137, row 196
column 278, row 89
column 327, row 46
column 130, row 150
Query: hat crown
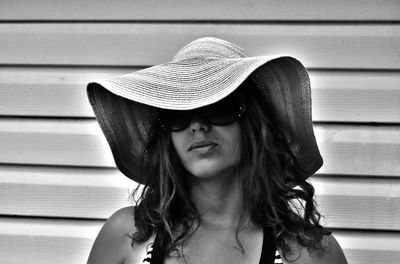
column 210, row 48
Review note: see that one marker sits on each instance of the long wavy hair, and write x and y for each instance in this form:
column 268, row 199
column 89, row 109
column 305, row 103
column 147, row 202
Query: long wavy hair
column 274, row 194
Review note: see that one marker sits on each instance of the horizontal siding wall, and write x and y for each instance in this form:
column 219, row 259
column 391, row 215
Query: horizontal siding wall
column 192, row 10
column 58, row 181
column 317, row 45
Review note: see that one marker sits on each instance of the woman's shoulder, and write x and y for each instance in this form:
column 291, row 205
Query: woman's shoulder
column 332, row 253
column 113, row 243
column 122, row 220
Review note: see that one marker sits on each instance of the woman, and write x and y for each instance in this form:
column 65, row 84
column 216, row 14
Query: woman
column 223, row 144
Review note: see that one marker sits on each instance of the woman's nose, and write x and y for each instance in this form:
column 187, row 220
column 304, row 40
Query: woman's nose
column 198, row 123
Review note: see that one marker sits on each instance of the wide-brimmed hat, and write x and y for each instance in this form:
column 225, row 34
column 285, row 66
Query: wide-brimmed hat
column 201, row 73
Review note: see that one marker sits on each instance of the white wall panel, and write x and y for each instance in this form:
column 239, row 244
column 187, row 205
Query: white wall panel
column 338, row 96
column 356, row 46
column 346, row 149
column 97, row 193
column 278, row 10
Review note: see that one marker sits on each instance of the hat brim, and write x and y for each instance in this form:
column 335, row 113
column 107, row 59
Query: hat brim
column 125, row 105
column 185, row 84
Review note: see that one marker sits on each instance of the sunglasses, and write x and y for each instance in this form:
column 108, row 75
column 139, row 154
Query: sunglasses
column 221, row 113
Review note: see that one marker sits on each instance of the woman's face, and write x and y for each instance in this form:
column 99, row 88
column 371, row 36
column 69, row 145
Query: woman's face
column 207, row 150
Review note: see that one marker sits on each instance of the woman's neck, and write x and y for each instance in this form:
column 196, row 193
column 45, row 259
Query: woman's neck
column 219, row 201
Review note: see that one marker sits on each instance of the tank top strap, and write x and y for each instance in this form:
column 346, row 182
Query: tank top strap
column 268, row 251
column 156, row 254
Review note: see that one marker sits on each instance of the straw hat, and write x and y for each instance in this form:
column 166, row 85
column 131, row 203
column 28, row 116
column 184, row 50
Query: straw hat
column 201, row 73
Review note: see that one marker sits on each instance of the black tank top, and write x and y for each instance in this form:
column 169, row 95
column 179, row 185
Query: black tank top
column 268, row 252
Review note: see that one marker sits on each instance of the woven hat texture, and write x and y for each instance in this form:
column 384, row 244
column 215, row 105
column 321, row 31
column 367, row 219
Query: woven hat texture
column 201, row 73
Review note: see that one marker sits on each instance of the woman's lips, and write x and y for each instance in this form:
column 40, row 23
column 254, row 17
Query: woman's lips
column 202, row 146
column 204, row 150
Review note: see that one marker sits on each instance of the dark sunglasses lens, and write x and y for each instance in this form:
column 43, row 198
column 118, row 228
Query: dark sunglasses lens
column 223, row 112
column 175, row 120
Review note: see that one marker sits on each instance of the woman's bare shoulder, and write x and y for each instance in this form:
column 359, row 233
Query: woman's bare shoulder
column 332, row 253
column 113, row 243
